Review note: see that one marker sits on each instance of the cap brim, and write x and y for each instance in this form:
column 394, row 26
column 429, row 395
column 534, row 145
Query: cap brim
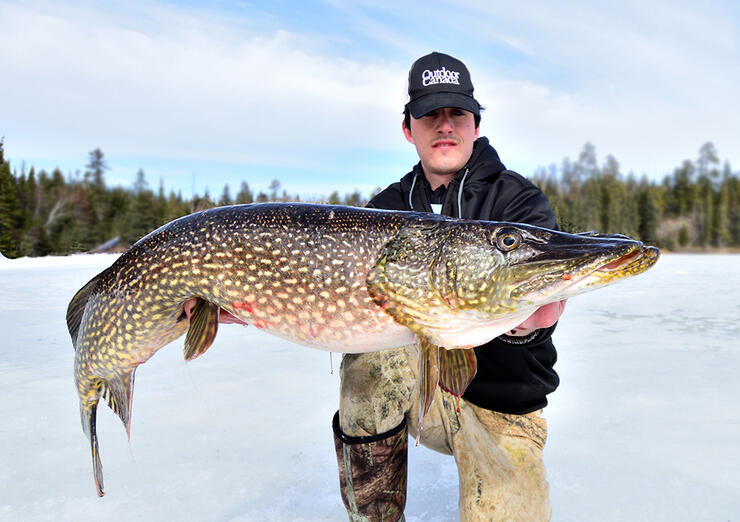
column 439, row 100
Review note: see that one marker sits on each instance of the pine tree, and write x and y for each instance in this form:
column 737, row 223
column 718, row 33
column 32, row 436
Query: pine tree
column 334, row 198
column 10, row 208
column 94, row 184
column 225, row 198
column 274, row 187
column 142, row 215
column 245, row 194
column 647, row 213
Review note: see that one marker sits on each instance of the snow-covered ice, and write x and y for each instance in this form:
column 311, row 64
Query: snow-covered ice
column 645, row 425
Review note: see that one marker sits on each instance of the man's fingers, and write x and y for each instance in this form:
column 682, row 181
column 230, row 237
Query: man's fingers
column 544, row 317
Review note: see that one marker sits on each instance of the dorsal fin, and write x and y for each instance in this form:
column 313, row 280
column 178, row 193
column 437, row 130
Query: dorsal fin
column 118, row 392
column 76, row 308
column 203, row 329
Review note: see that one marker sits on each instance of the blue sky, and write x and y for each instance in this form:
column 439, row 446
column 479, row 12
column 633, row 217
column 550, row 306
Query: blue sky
column 200, row 94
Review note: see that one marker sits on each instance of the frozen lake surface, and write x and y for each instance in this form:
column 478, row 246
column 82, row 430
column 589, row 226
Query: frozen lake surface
column 645, row 425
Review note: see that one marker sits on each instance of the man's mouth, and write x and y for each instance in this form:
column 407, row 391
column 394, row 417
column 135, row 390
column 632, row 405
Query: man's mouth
column 444, row 144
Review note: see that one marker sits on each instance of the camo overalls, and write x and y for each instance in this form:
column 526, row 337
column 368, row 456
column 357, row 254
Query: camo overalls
column 498, row 456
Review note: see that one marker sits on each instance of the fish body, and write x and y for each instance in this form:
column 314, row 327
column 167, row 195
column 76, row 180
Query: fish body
column 335, row 278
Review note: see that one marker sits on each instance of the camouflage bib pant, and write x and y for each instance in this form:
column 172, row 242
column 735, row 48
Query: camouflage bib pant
column 498, row 456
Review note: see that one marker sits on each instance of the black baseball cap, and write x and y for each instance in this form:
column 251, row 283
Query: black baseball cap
column 438, row 80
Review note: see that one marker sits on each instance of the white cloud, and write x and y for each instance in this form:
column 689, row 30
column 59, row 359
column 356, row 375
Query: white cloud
column 164, row 82
column 648, row 84
column 160, row 81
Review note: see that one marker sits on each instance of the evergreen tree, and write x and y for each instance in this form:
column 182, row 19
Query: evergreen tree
column 142, row 215
column 334, row 198
column 245, row 194
column 683, row 190
column 647, row 214
column 225, row 197
column 708, row 161
column 10, row 209
column 162, row 211
column 274, row 187
column 94, row 183
column 354, row 199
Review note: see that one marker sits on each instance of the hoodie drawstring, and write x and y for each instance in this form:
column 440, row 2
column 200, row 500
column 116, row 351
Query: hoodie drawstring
column 413, row 184
column 459, row 192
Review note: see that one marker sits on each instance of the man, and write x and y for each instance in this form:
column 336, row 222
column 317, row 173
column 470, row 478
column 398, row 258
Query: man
column 496, row 434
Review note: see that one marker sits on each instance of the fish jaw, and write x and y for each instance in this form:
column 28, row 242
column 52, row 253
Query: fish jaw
column 590, row 271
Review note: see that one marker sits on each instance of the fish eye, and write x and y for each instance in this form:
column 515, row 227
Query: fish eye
column 508, row 240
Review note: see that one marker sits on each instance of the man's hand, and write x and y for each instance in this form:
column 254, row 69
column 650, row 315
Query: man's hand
column 543, row 317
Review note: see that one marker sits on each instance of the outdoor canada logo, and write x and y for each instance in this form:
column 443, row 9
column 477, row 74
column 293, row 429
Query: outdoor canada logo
column 439, row 76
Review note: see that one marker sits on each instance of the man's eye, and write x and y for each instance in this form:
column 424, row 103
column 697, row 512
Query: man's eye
column 458, row 112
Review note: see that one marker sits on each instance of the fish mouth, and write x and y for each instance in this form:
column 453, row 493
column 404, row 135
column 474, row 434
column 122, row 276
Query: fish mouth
column 568, row 277
column 613, row 266
column 620, row 262
column 634, row 262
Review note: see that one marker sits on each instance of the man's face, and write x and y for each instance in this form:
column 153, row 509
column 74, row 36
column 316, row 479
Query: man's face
column 443, row 139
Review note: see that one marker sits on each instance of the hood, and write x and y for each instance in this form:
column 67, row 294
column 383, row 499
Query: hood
column 484, row 163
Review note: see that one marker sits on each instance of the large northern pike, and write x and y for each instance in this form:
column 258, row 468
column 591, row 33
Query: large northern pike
column 337, row 278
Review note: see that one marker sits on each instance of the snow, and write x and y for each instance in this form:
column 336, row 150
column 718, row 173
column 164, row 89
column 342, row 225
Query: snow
column 645, row 425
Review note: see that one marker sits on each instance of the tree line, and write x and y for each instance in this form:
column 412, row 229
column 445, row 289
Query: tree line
column 695, row 207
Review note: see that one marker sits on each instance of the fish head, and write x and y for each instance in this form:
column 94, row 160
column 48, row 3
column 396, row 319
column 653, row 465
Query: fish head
column 462, row 283
column 512, row 267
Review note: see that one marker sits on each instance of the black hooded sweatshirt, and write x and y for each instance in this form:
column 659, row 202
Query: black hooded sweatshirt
column 513, row 376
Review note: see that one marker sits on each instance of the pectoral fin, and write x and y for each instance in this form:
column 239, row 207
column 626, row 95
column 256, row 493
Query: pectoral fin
column 203, row 328
column 428, row 379
column 456, row 369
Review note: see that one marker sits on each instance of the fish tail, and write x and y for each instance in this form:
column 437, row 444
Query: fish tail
column 89, row 389
column 118, row 393
column 89, row 421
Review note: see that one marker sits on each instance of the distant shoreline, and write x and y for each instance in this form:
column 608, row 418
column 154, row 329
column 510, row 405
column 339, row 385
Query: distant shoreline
column 701, row 251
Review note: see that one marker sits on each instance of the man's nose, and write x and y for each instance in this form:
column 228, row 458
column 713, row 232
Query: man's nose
column 444, row 123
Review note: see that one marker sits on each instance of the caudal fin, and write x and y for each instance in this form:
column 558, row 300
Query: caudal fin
column 118, row 393
column 88, row 425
